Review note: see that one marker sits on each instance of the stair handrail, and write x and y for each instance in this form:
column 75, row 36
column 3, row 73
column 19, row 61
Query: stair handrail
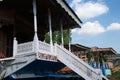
column 91, row 70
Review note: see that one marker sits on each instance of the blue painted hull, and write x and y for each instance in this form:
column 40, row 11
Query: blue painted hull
column 40, row 69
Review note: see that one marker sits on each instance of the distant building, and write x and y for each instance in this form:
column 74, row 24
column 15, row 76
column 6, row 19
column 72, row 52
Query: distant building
column 80, row 51
column 98, row 58
column 115, row 59
column 103, row 53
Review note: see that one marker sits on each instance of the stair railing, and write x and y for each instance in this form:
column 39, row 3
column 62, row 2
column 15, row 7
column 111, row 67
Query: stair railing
column 78, row 65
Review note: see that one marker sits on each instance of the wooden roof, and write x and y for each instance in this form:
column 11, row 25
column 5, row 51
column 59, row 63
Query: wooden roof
column 59, row 10
column 64, row 5
column 77, row 47
column 20, row 14
column 103, row 50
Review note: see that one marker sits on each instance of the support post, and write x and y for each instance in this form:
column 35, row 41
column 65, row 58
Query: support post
column 50, row 29
column 61, row 26
column 14, row 47
column 69, row 39
column 36, row 42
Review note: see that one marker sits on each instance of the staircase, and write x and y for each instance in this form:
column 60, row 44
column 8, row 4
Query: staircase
column 17, row 64
column 27, row 56
column 77, row 65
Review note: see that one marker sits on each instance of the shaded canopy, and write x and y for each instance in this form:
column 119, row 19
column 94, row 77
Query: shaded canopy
column 20, row 14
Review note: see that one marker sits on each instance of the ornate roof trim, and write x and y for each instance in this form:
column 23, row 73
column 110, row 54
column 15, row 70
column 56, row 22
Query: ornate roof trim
column 67, row 8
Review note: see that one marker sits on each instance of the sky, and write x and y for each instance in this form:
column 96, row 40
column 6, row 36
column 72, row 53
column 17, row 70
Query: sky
column 101, row 23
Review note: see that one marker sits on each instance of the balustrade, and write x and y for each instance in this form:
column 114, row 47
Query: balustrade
column 24, row 48
column 28, row 47
column 44, row 46
column 68, row 57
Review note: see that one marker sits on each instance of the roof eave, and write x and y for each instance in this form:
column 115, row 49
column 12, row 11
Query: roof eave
column 67, row 8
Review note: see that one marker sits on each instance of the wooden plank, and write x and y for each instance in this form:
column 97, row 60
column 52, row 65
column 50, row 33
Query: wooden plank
column 7, row 15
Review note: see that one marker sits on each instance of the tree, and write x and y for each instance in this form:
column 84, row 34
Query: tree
column 105, row 58
column 96, row 58
column 89, row 56
column 56, row 37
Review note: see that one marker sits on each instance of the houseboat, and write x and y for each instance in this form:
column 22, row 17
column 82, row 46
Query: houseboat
column 23, row 52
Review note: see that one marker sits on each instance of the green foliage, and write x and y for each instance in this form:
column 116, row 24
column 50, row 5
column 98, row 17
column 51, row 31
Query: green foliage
column 89, row 56
column 96, row 58
column 47, row 38
column 116, row 75
column 105, row 58
column 56, row 37
column 101, row 60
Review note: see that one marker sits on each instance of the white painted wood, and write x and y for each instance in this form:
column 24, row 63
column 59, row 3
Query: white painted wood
column 61, row 26
column 50, row 29
column 7, row 59
column 76, row 64
column 14, row 47
column 69, row 11
column 44, row 48
column 35, row 15
column 66, row 57
column 19, row 63
column 36, row 45
column 69, row 40
column 28, row 47
column 24, row 48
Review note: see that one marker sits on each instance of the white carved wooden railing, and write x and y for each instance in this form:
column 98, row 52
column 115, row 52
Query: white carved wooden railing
column 25, row 48
column 76, row 64
column 44, row 47
column 28, row 47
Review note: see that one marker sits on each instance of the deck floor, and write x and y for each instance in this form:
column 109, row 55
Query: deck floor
column 49, row 78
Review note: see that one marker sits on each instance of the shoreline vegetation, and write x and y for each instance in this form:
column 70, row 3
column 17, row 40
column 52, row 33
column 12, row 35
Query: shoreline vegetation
column 115, row 73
